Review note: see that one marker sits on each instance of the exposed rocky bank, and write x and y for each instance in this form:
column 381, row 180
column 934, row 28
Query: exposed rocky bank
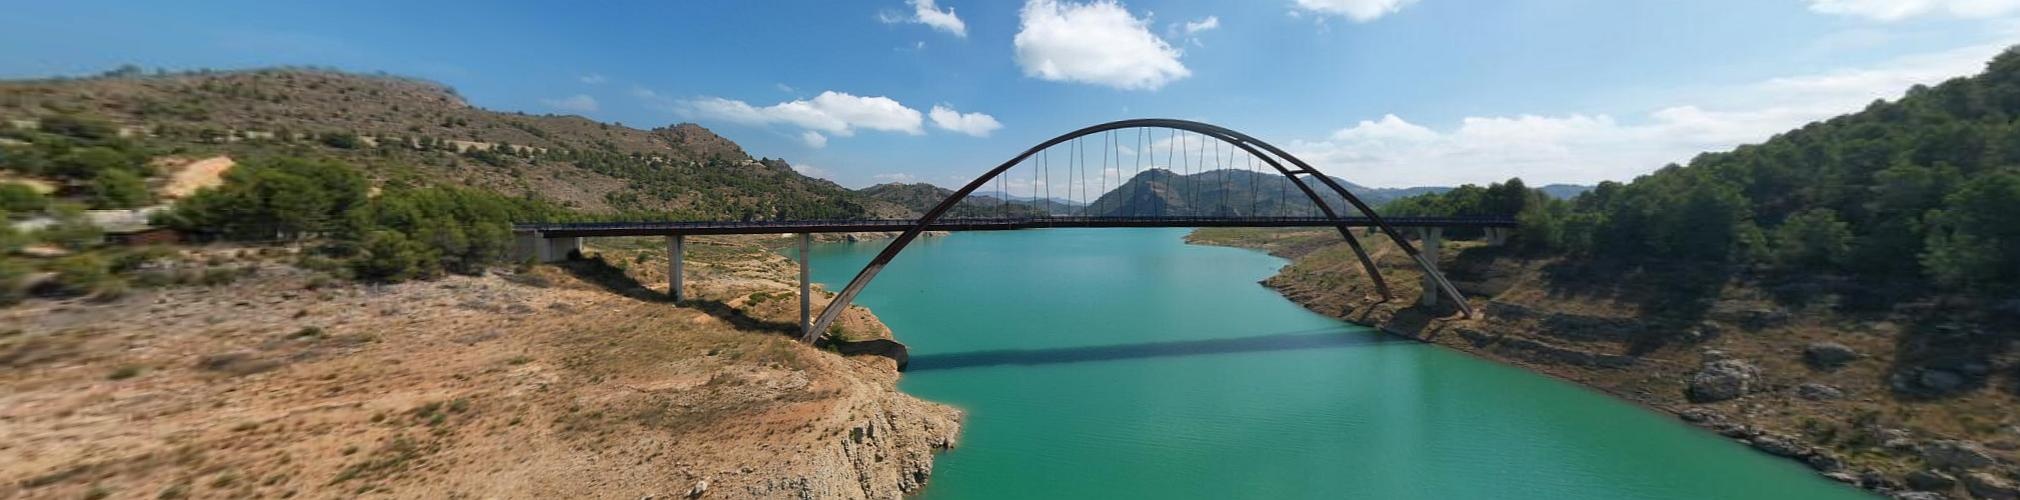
column 558, row 381
column 1885, row 401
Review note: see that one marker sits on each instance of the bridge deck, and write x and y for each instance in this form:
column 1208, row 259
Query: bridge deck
column 584, row 229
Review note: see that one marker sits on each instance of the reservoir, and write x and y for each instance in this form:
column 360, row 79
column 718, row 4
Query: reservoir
column 1124, row 363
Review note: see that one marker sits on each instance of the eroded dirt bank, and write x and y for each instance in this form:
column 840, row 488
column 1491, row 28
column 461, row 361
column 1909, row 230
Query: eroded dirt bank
column 555, row 382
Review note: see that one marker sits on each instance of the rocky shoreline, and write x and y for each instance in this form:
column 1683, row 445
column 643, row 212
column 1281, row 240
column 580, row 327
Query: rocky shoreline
column 1807, row 399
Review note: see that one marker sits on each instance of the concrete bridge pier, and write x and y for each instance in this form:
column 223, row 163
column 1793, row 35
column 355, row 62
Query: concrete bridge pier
column 806, row 286
column 1497, row 236
column 676, row 253
column 1430, row 238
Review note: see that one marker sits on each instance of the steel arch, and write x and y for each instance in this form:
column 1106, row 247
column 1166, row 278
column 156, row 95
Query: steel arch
column 1268, row 153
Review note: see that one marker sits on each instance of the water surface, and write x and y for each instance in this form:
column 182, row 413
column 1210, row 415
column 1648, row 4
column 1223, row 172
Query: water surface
column 1123, row 363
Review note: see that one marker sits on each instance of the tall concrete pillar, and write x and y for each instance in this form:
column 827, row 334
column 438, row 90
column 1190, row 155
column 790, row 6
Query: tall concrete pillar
column 1430, row 237
column 676, row 259
column 806, row 285
column 1497, row 236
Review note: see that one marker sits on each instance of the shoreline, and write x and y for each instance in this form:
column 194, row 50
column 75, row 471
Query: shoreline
column 1381, row 316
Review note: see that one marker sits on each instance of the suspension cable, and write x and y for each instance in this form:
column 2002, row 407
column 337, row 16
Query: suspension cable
column 1170, row 147
column 1253, row 184
column 1103, row 192
column 1083, row 179
column 1223, row 208
column 1185, row 160
column 1283, row 196
column 1045, row 162
column 1138, row 163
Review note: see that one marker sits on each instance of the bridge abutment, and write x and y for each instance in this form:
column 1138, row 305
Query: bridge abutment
column 543, row 249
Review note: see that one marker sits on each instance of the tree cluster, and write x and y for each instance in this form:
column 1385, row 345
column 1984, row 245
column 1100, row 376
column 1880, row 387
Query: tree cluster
column 1923, row 191
column 405, row 232
column 86, row 155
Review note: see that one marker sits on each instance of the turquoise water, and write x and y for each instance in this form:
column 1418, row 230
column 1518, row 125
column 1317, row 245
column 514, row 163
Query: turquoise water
column 1127, row 364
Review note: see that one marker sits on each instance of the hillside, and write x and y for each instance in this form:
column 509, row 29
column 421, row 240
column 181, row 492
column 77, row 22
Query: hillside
column 1841, row 294
column 406, row 131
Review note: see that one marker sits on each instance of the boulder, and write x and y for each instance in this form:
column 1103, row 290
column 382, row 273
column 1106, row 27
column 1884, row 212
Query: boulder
column 1780, row 446
column 1824, row 462
column 1699, row 415
column 1986, row 485
column 1819, row 392
column 1930, row 480
column 700, row 488
column 1723, row 379
column 1828, row 355
column 1940, row 380
column 1956, row 455
column 1919, row 495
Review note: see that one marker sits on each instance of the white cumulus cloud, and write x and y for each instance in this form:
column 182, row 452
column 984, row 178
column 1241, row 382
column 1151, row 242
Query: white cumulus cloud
column 814, row 139
column 1098, row 42
column 1208, row 24
column 1895, row 10
column 593, row 79
column 831, row 112
column 925, row 12
column 577, row 103
column 1359, row 11
column 1586, row 148
column 975, row 124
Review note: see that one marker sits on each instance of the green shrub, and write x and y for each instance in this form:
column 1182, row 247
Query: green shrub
column 13, row 281
column 71, row 230
column 82, row 127
column 118, row 188
column 389, row 256
column 20, row 198
column 86, row 274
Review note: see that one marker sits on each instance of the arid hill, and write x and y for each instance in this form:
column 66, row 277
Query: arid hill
column 415, row 131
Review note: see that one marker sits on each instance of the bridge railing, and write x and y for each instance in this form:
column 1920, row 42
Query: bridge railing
column 1476, row 221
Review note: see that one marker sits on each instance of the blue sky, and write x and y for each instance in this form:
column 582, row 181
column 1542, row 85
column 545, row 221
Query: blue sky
column 1381, row 92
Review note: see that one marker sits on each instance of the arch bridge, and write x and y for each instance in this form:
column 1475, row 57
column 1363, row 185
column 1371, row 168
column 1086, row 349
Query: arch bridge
column 1248, row 183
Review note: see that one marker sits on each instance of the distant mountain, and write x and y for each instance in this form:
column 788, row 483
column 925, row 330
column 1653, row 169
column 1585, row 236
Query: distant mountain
column 920, row 197
column 1160, row 192
column 1564, row 191
column 1056, row 206
column 1027, row 198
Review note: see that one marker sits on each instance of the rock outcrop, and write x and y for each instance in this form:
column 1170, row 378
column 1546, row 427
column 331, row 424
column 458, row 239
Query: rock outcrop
column 1723, row 379
column 1819, row 392
column 1990, row 486
column 1828, row 355
column 1956, row 455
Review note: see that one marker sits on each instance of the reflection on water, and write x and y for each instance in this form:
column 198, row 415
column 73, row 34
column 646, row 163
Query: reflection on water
column 1126, row 364
column 1320, row 339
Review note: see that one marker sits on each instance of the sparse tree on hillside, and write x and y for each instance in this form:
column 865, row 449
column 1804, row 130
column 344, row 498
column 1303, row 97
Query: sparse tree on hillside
column 118, row 188
column 20, row 198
